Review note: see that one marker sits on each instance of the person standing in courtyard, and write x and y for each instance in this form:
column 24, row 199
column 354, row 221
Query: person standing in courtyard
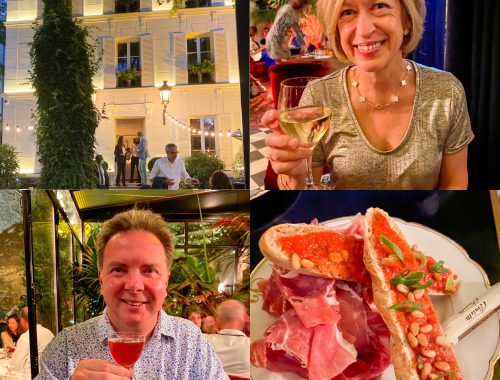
column 120, row 161
column 134, row 160
column 143, row 154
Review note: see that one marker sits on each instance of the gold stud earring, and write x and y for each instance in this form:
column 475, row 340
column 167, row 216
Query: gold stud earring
column 406, row 32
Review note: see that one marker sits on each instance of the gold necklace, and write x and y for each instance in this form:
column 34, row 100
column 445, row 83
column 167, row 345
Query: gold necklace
column 394, row 98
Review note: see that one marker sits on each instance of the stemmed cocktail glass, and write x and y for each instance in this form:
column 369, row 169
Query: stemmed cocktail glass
column 302, row 120
column 126, row 348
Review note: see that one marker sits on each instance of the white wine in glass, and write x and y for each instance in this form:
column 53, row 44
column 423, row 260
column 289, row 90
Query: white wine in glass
column 307, row 123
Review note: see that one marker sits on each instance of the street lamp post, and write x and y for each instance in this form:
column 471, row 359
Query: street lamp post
column 165, row 91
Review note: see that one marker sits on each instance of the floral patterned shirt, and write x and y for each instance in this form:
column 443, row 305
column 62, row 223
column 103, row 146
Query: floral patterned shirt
column 176, row 350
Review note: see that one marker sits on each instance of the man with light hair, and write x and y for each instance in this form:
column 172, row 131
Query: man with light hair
column 230, row 343
column 134, row 253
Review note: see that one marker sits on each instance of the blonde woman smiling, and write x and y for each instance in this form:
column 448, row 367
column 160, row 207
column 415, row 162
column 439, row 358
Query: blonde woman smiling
column 395, row 124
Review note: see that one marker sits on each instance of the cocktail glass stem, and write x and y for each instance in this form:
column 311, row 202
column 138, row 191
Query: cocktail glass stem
column 309, row 177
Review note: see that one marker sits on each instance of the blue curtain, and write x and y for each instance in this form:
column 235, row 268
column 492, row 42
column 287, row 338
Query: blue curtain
column 430, row 51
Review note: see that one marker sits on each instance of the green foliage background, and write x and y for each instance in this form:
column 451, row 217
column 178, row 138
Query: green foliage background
column 63, row 64
column 9, row 165
column 201, row 166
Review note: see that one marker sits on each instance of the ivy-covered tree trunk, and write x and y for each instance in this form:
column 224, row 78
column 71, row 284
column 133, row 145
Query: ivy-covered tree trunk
column 63, row 64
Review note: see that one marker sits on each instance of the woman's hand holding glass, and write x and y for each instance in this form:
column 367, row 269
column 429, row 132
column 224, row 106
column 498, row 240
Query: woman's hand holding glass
column 302, row 123
column 286, row 155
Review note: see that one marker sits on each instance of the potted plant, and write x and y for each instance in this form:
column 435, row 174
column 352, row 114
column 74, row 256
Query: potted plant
column 129, row 75
column 205, row 67
column 201, row 166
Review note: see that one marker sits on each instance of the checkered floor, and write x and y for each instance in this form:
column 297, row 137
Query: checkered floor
column 258, row 157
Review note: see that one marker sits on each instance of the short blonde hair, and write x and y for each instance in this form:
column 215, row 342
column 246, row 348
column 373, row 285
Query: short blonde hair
column 328, row 12
column 136, row 220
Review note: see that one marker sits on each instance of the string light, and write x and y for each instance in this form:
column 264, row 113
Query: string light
column 177, row 123
column 19, row 128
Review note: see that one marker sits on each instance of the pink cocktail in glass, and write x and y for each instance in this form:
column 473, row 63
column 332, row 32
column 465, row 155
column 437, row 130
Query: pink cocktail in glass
column 126, row 348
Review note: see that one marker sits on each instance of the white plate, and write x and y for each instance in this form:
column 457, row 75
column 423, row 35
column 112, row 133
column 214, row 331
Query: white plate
column 476, row 353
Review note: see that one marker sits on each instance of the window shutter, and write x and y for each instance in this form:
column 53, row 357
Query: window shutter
column 109, row 62
column 178, row 48
column 219, row 51
column 108, row 6
column 146, row 5
column 39, row 9
column 147, row 66
column 223, row 123
column 77, row 8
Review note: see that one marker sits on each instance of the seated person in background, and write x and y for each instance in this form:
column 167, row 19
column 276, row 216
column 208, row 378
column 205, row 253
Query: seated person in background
column 169, row 171
column 135, row 250
column 230, row 343
column 265, row 32
column 286, row 18
column 13, row 332
column 258, row 52
column 102, row 173
column 20, row 361
column 193, row 313
column 219, row 180
column 209, row 325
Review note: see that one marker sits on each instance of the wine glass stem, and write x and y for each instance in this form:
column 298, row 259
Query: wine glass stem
column 309, row 177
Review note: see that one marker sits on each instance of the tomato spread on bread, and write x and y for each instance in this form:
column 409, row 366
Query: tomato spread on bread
column 393, row 259
column 328, row 249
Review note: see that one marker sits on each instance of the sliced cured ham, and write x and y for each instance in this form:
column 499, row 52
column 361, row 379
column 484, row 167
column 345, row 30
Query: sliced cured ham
column 326, row 329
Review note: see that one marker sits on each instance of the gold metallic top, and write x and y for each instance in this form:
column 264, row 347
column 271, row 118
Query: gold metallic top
column 439, row 125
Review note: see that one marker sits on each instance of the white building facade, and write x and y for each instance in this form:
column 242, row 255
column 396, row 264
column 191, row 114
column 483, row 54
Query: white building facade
column 160, row 44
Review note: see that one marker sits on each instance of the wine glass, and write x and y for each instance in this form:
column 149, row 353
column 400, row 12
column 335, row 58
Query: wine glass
column 305, row 122
column 126, row 348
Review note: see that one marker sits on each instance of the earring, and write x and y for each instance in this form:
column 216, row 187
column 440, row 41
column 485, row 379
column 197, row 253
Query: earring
column 406, row 32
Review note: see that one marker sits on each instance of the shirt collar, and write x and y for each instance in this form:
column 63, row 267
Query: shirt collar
column 231, row 332
column 164, row 326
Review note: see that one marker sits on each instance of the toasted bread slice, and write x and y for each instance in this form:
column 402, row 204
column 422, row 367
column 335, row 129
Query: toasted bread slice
column 419, row 348
column 315, row 250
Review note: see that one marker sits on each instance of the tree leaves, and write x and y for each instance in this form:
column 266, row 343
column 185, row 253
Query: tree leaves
column 63, row 64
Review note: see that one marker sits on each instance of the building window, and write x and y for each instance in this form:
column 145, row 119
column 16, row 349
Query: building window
column 198, row 3
column 201, row 68
column 203, row 137
column 126, row 6
column 129, row 64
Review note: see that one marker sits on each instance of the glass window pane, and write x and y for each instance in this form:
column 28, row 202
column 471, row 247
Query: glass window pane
column 194, row 123
column 44, row 258
column 134, row 49
column 195, row 142
column 193, row 78
column 210, row 143
column 192, row 58
column 207, row 78
column 122, row 64
column 222, row 261
column 204, row 44
column 209, row 124
column 191, row 45
column 122, row 50
column 12, row 269
column 178, row 232
column 205, row 55
column 65, row 273
column 135, row 62
column 215, row 233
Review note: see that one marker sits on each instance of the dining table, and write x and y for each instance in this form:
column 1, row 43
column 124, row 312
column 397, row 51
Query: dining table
column 468, row 219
